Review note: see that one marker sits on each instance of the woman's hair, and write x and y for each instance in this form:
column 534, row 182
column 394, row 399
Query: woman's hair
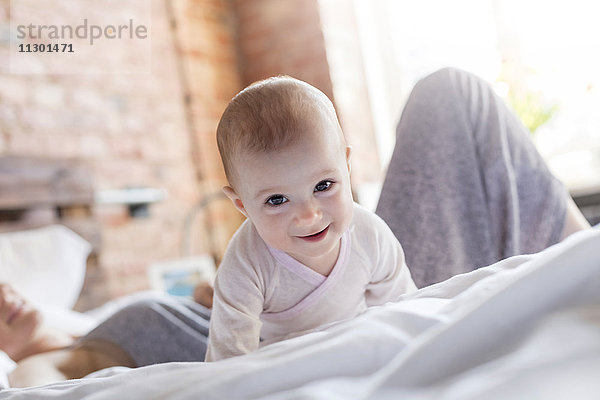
column 269, row 115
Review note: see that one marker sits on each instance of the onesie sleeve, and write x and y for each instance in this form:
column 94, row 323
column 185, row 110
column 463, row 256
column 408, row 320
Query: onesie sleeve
column 238, row 302
column 390, row 276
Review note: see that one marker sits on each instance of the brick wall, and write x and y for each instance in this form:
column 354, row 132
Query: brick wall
column 136, row 130
column 282, row 37
column 205, row 41
column 157, row 130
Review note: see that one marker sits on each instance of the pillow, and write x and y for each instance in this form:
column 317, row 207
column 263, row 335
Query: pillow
column 45, row 265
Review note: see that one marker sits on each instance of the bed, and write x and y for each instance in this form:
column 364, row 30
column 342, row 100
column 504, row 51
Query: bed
column 526, row 327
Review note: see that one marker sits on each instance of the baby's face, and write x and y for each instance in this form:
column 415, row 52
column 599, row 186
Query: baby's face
column 299, row 199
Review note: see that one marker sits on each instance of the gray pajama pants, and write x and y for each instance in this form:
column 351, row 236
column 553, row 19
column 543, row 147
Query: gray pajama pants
column 465, row 186
column 155, row 331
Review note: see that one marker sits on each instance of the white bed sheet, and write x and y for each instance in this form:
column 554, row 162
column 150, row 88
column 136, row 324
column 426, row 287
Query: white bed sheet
column 526, row 327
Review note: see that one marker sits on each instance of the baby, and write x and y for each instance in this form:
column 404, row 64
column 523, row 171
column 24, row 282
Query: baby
column 307, row 255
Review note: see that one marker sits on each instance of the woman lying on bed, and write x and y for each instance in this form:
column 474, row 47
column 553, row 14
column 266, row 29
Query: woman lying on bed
column 145, row 332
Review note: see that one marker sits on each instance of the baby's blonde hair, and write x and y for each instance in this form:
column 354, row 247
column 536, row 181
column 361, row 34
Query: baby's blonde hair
column 269, row 115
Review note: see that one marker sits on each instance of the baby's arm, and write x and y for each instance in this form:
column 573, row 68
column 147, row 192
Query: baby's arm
column 390, row 276
column 203, row 294
column 235, row 320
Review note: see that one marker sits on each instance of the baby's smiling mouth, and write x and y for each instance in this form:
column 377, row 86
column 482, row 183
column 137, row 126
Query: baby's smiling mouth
column 316, row 236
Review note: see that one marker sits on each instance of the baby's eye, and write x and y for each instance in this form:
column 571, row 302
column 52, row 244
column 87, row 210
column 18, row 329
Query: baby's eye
column 276, row 200
column 323, row 186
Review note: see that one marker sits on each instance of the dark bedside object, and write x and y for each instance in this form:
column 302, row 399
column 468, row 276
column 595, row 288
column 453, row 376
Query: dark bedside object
column 588, row 201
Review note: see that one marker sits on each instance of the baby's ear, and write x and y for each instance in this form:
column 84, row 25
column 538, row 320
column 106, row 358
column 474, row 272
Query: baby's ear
column 235, row 199
column 348, row 156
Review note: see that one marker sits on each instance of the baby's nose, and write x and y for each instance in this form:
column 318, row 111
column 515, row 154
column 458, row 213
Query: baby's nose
column 308, row 213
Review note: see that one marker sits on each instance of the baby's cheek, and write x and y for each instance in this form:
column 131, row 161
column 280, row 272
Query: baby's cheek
column 271, row 232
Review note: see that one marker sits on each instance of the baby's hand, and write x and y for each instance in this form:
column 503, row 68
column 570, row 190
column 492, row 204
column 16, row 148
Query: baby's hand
column 203, row 294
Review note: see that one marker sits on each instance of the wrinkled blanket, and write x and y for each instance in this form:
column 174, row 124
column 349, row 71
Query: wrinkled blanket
column 526, row 327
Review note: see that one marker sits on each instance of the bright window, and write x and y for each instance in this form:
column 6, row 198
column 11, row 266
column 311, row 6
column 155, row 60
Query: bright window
column 543, row 57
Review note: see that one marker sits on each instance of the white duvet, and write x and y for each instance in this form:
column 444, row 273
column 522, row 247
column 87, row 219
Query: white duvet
column 525, row 328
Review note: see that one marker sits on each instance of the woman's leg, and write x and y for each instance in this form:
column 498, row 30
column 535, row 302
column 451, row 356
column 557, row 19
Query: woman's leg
column 466, row 186
column 155, row 331
column 67, row 363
